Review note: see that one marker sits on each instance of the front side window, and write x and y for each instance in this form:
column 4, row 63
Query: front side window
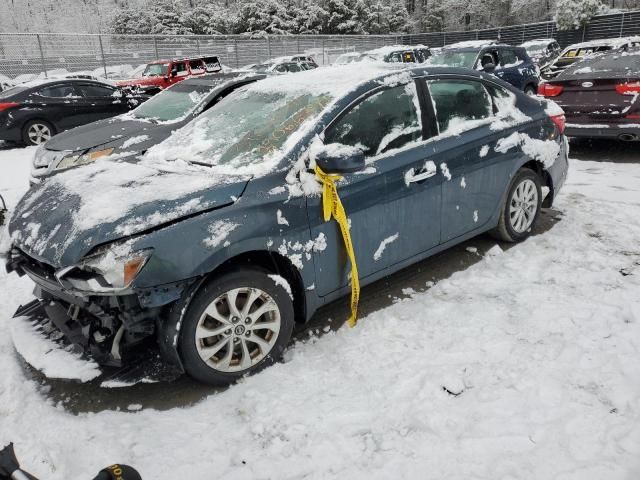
column 459, row 105
column 381, row 122
column 58, row 91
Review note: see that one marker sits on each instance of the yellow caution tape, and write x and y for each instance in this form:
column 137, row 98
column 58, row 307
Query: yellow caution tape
column 332, row 207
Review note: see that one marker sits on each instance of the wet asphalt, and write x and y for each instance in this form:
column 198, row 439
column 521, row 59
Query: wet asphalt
column 90, row 397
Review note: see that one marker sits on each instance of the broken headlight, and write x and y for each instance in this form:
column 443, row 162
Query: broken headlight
column 106, row 272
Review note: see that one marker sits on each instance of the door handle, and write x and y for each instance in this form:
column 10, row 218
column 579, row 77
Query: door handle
column 412, row 176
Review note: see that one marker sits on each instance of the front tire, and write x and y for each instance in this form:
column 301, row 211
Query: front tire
column 236, row 324
column 36, row 132
column 521, row 207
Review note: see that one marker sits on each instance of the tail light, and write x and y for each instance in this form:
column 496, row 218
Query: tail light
column 628, row 88
column 4, row 106
column 548, row 90
column 560, row 122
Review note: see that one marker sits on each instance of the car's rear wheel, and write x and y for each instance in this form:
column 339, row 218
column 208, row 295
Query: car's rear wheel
column 530, row 90
column 521, row 207
column 236, row 324
column 36, row 132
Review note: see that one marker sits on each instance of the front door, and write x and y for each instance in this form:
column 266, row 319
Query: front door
column 393, row 206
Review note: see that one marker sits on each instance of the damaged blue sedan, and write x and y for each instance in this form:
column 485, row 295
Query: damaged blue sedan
column 212, row 246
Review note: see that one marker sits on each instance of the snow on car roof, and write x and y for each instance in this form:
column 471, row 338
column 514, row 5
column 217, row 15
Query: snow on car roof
column 613, row 42
column 471, row 44
column 536, row 41
column 334, row 81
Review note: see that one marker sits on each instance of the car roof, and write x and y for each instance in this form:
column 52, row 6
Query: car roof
column 472, row 44
column 341, row 80
column 57, row 81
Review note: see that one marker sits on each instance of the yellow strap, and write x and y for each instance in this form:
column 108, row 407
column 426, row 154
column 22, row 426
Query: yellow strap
column 332, row 206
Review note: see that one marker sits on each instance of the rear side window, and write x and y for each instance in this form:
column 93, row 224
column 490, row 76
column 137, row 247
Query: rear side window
column 180, row 69
column 58, row 91
column 457, row 103
column 381, row 122
column 96, row 90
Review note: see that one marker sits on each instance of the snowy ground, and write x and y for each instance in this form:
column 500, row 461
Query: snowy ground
column 522, row 366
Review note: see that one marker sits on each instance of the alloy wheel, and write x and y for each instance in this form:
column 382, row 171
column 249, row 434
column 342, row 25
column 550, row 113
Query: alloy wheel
column 39, row 133
column 523, row 206
column 238, row 329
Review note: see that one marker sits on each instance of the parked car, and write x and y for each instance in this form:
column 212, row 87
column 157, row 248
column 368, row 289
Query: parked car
column 401, row 53
column 511, row 64
column 600, row 96
column 164, row 73
column 279, row 66
column 575, row 53
column 136, row 131
column 31, row 113
column 542, row 51
column 270, row 65
column 213, row 245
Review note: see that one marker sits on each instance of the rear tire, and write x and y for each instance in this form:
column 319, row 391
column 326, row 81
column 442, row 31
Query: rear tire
column 36, row 132
column 236, row 324
column 521, row 207
column 530, row 90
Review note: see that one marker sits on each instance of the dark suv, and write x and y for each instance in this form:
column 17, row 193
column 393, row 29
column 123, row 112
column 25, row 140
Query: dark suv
column 511, row 64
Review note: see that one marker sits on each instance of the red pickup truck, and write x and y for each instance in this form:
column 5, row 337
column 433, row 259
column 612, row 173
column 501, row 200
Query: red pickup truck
column 164, row 73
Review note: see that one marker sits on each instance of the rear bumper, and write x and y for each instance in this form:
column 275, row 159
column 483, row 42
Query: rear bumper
column 617, row 131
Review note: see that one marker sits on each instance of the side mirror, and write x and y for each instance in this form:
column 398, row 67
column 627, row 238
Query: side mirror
column 338, row 159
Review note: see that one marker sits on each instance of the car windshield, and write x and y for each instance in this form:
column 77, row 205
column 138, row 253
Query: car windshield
column 244, row 130
column 537, row 48
column 454, row 59
column 262, row 67
column 155, row 69
column 173, row 103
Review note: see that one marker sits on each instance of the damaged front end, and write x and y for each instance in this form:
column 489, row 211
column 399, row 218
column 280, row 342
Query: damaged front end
column 93, row 307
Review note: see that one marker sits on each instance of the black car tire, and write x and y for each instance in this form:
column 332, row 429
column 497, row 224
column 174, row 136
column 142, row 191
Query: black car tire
column 505, row 230
column 211, row 291
column 530, row 90
column 31, row 123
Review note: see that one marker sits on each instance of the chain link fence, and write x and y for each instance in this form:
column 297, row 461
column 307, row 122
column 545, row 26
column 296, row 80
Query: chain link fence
column 26, row 56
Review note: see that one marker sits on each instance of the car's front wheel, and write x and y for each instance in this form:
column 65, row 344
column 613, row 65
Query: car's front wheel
column 521, row 207
column 236, row 324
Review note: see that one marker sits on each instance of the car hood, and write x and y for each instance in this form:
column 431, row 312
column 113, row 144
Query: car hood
column 113, row 131
column 60, row 221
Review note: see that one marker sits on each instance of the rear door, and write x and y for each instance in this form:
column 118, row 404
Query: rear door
column 390, row 218
column 60, row 104
column 475, row 174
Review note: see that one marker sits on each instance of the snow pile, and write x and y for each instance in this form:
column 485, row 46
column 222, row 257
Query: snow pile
column 524, row 365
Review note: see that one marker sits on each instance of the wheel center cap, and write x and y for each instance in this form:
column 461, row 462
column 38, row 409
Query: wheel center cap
column 239, row 330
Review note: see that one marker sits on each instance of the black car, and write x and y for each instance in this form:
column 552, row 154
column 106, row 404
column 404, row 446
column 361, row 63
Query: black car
column 600, row 96
column 136, row 131
column 32, row 113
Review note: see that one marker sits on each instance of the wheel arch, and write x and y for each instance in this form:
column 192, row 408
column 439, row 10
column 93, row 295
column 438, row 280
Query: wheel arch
column 37, row 117
column 545, row 179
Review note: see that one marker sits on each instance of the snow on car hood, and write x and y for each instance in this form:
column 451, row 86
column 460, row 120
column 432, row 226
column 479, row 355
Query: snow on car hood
column 62, row 219
column 114, row 131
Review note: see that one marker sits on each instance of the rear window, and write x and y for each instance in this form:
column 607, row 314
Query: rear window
column 12, row 91
column 615, row 65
